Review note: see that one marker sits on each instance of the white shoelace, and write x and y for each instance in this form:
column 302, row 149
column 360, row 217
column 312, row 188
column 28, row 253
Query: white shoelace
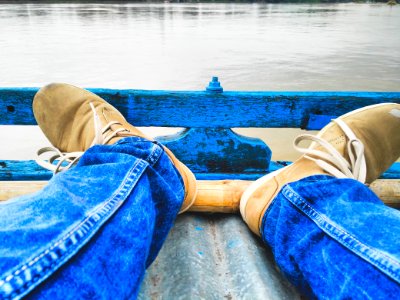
column 332, row 161
column 61, row 161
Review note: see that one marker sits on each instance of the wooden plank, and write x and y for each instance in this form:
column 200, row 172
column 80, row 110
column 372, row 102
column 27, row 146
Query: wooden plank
column 213, row 196
column 22, row 170
column 316, row 122
column 209, row 110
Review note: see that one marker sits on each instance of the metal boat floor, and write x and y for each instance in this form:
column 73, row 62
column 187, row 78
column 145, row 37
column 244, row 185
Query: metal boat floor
column 214, row 256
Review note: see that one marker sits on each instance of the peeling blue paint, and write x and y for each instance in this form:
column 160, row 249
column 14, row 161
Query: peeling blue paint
column 201, row 109
column 208, row 145
column 316, row 122
column 209, row 150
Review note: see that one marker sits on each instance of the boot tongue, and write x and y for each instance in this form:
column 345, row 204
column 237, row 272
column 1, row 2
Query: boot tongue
column 116, row 127
column 111, row 116
column 129, row 130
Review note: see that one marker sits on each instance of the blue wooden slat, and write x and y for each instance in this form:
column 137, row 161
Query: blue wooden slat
column 22, row 170
column 29, row 170
column 203, row 109
column 16, row 106
column 393, row 172
column 211, row 151
column 316, row 122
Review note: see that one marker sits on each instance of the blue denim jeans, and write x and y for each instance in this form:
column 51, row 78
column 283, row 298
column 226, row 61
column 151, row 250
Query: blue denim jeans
column 334, row 239
column 91, row 233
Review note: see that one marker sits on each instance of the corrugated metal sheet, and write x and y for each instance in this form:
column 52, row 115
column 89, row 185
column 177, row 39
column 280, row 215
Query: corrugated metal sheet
column 214, row 257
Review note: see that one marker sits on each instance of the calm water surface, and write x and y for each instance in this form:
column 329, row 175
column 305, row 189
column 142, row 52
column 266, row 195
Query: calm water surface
column 179, row 46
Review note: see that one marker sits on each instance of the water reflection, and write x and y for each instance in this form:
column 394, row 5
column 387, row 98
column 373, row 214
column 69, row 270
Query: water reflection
column 110, row 11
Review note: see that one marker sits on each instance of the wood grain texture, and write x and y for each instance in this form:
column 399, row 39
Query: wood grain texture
column 388, row 190
column 12, row 189
column 221, row 196
column 22, row 170
column 208, row 110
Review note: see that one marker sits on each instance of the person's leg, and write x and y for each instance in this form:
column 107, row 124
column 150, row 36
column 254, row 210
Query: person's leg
column 334, row 239
column 94, row 229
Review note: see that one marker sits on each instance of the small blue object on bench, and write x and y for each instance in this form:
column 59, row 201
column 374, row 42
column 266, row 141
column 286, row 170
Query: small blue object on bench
column 221, row 251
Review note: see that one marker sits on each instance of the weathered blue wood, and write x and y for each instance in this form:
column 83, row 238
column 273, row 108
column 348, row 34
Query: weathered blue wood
column 393, row 172
column 29, row 170
column 316, row 122
column 22, row 170
column 16, row 106
column 208, row 150
column 204, row 109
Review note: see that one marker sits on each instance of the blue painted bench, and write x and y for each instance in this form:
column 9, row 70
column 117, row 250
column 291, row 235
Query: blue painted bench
column 221, row 250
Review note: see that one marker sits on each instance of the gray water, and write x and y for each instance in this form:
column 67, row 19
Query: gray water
column 180, row 46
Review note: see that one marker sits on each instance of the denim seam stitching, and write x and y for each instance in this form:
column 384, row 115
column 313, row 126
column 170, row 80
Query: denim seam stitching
column 154, row 155
column 112, row 200
column 323, row 223
column 83, row 230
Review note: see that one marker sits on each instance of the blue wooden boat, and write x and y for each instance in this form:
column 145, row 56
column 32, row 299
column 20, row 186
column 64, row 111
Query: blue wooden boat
column 211, row 256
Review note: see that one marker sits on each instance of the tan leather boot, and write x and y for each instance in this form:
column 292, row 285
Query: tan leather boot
column 74, row 119
column 360, row 145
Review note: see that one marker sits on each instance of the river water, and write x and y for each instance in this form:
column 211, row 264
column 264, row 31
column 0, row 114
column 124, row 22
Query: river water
column 180, row 46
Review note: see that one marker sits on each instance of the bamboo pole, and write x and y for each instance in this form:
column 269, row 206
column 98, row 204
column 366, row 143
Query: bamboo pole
column 11, row 189
column 388, row 190
column 213, row 195
column 219, row 195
